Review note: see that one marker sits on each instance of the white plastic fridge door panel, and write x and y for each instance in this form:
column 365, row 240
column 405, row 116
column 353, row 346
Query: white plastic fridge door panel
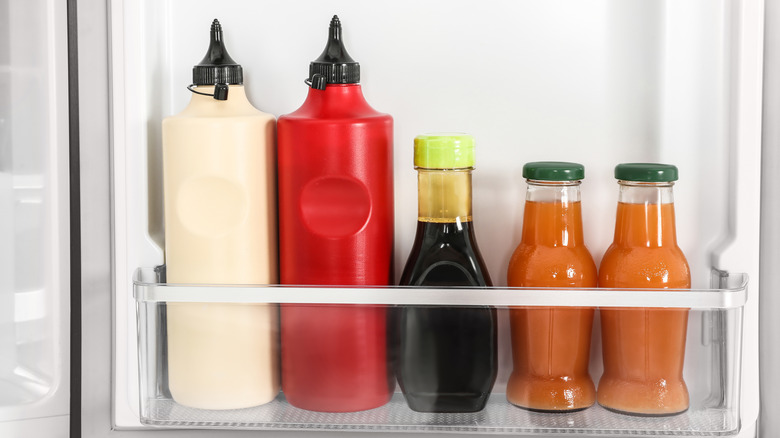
column 34, row 225
column 132, row 168
column 649, row 81
column 740, row 250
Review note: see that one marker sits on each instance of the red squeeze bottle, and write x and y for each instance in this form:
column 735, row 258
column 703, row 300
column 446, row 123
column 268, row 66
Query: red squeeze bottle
column 335, row 228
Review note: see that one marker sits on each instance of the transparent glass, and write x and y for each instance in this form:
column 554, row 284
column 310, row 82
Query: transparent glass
column 444, row 195
column 712, row 371
column 551, row 346
column 644, row 349
column 446, row 358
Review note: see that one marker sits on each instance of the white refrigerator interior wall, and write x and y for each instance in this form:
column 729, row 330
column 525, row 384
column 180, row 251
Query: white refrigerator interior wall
column 596, row 82
column 34, row 226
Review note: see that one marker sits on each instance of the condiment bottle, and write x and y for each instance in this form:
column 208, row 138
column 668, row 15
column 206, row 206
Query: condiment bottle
column 336, row 228
column 551, row 346
column 220, row 228
column 644, row 348
column 447, row 356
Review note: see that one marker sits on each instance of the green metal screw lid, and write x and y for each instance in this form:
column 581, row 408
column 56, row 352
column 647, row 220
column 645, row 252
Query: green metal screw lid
column 553, row 171
column 646, row 172
column 444, row 151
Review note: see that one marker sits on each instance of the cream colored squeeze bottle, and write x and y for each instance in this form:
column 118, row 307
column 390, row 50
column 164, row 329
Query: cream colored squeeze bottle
column 220, row 228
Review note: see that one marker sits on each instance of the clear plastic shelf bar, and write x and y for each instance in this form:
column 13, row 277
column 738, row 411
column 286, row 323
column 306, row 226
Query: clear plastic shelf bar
column 732, row 294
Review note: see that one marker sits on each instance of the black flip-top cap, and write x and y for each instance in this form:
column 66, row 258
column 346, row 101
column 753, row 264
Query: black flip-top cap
column 335, row 64
column 217, row 67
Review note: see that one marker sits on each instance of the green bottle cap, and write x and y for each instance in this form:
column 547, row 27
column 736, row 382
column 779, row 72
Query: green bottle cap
column 646, row 172
column 553, row 171
column 444, row 151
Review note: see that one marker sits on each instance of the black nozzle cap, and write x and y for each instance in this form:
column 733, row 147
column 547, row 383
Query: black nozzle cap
column 217, row 67
column 335, row 64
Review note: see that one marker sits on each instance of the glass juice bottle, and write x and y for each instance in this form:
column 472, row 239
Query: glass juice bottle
column 447, row 356
column 551, row 346
column 644, row 348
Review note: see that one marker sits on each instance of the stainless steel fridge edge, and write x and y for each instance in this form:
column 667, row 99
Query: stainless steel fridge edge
column 92, row 37
column 769, row 325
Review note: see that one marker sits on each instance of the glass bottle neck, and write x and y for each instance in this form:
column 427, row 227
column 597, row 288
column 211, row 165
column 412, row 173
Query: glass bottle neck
column 645, row 215
column 553, row 214
column 444, row 196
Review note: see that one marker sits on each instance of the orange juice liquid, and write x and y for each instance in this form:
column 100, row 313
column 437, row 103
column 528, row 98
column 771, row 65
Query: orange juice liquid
column 644, row 349
column 551, row 346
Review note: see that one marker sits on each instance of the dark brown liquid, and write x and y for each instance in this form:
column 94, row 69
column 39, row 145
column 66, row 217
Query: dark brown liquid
column 447, row 356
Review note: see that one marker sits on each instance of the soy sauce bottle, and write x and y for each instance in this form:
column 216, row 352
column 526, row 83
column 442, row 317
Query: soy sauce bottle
column 446, row 355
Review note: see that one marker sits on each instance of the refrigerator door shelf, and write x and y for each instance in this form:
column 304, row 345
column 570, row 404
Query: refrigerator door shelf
column 712, row 361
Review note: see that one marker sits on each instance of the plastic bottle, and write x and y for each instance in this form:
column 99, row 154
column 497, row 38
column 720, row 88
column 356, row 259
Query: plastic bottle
column 447, row 357
column 644, row 349
column 551, row 346
column 220, row 228
column 336, row 228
